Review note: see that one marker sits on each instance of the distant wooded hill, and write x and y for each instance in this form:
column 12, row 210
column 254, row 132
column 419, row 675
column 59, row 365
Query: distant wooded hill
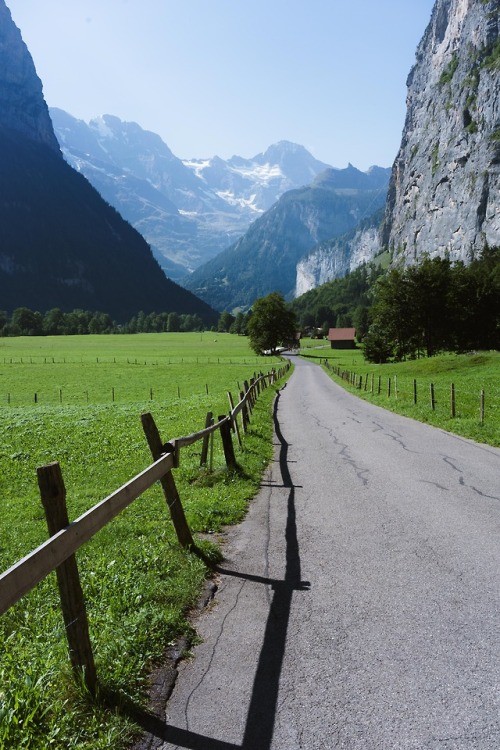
column 63, row 246
column 340, row 303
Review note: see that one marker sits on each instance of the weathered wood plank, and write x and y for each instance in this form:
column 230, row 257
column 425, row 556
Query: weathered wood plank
column 31, row 569
column 183, row 442
column 204, row 449
column 167, row 481
column 227, row 443
column 233, row 419
column 53, row 496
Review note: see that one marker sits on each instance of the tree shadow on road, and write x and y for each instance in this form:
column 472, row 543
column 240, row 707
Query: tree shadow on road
column 261, row 715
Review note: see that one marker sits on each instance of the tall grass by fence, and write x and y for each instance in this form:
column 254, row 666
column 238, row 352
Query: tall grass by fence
column 58, row 553
column 453, row 401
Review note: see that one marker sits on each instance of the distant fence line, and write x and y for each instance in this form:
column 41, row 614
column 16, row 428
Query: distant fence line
column 456, row 403
column 94, row 395
column 58, row 552
column 135, row 361
column 111, row 395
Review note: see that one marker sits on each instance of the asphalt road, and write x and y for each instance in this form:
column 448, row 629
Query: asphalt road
column 358, row 603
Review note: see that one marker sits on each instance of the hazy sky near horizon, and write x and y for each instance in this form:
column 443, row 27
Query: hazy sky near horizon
column 234, row 76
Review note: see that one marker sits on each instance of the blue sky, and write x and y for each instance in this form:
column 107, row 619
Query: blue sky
column 234, row 76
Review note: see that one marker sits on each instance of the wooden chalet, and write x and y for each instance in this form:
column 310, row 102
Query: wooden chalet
column 342, row 338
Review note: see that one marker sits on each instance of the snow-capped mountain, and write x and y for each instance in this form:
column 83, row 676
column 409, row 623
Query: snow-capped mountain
column 256, row 184
column 190, row 210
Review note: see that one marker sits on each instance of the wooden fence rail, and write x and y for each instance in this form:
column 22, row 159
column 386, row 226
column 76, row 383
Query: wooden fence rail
column 57, row 553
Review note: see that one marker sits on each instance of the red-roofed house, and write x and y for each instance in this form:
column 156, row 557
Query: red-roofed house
column 342, row 338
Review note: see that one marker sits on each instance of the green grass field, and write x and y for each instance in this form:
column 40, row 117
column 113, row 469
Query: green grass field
column 88, row 369
column 469, row 373
column 137, row 582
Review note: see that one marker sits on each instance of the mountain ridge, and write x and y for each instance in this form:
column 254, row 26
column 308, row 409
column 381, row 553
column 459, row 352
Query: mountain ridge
column 61, row 244
column 22, row 106
column 211, row 202
column 266, row 257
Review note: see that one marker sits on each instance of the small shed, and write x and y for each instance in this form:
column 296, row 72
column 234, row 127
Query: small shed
column 342, row 338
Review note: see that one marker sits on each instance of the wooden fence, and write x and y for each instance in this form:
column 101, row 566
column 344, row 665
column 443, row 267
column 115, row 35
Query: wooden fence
column 58, row 552
column 413, row 392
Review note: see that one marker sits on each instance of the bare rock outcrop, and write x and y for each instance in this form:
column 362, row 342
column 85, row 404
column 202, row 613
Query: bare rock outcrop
column 444, row 193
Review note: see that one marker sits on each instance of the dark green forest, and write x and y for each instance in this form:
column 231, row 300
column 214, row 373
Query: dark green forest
column 55, row 322
column 339, row 303
column 432, row 306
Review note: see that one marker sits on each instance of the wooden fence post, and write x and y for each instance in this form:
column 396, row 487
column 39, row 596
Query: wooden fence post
column 253, row 397
column 481, row 414
column 227, row 443
column 204, row 448
column 168, row 483
column 453, row 399
column 433, row 400
column 235, row 420
column 211, row 462
column 249, row 400
column 244, row 413
column 53, row 495
column 415, row 392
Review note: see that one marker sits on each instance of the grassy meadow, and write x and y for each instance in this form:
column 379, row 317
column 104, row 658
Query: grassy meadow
column 138, row 583
column 469, row 373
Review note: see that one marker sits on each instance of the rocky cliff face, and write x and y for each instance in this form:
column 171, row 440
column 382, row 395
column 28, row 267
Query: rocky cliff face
column 334, row 258
column 444, row 193
column 22, row 106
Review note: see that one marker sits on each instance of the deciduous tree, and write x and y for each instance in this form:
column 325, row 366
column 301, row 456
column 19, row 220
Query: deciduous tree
column 272, row 324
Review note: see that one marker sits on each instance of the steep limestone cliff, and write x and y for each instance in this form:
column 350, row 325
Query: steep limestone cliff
column 444, row 193
column 22, row 106
column 336, row 257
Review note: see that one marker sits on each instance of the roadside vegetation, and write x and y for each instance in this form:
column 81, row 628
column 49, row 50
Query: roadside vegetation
column 433, row 306
column 138, row 583
column 469, row 373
